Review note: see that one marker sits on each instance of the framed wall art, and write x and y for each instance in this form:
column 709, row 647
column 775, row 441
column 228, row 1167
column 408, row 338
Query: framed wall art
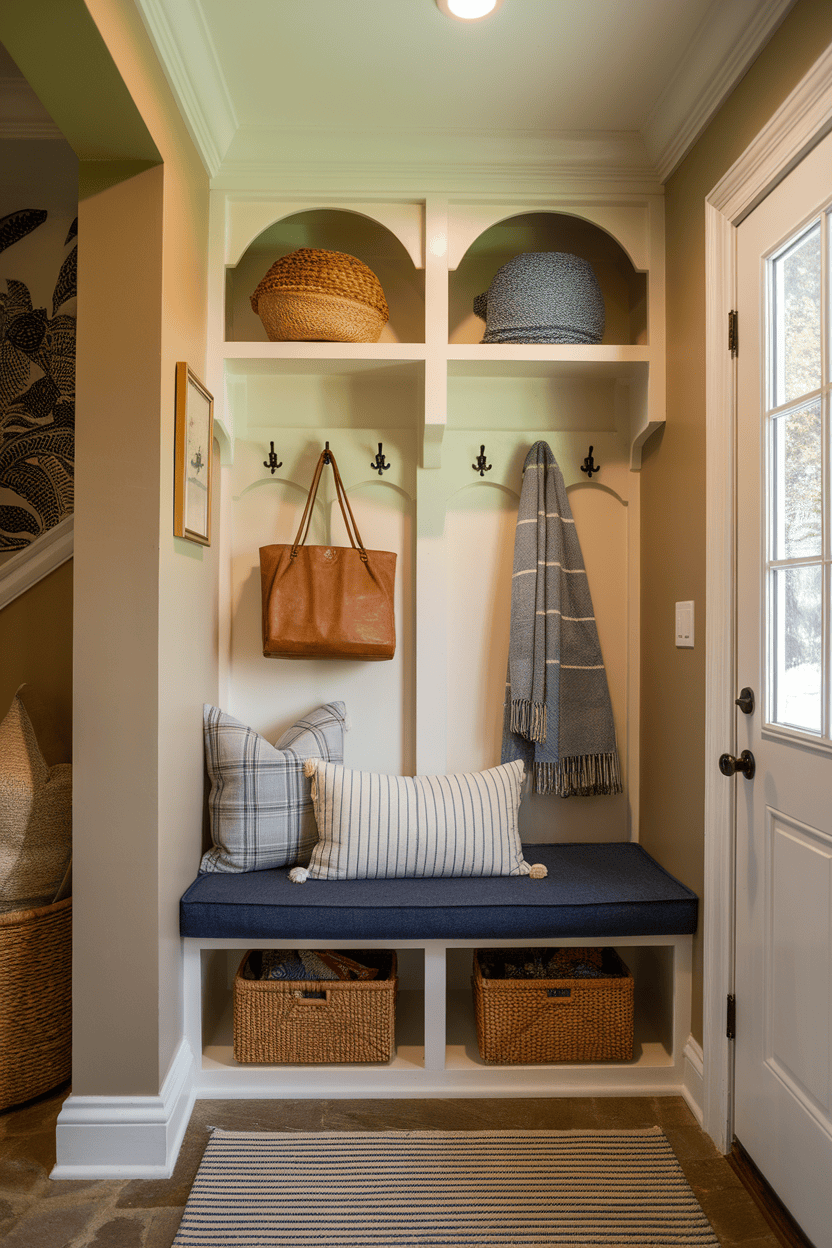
column 193, row 458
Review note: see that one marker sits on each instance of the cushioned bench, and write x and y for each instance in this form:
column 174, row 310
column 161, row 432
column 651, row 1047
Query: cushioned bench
column 609, row 889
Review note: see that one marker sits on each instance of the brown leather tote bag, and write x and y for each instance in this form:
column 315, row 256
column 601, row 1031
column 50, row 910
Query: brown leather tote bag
column 327, row 602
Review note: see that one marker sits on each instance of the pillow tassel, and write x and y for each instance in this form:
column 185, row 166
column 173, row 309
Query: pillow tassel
column 538, row 871
column 299, row 875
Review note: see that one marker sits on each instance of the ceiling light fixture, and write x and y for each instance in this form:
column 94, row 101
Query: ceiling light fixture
column 468, row 10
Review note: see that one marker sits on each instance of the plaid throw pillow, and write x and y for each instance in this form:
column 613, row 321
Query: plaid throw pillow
column 260, row 803
column 373, row 826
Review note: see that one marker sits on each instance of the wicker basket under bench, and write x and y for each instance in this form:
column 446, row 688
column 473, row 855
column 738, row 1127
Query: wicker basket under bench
column 561, row 1019
column 332, row 1020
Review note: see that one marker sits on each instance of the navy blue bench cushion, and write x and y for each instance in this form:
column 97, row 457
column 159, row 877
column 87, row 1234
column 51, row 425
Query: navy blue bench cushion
column 610, row 889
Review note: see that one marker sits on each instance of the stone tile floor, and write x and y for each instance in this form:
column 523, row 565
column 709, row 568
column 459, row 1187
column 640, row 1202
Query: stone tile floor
column 38, row 1212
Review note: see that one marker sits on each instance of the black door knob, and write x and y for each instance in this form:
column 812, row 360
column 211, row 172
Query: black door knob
column 728, row 765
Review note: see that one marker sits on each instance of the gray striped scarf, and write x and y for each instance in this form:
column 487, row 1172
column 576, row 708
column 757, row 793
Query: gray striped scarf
column 558, row 715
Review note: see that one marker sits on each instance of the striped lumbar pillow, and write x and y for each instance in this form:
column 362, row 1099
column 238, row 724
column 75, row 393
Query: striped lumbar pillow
column 373, row 826
column 260, row 804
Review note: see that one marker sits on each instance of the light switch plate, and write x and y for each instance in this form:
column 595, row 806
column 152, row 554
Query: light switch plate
column 684, row 624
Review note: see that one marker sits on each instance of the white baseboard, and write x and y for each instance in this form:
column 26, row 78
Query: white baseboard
column 127, row 1137
column 693, row 1088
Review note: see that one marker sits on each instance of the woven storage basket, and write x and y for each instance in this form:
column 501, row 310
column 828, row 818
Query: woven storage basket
column 543, row 296
column 352, row 1021
column 320, row 296
column 555, row 1020
column 35, row 1001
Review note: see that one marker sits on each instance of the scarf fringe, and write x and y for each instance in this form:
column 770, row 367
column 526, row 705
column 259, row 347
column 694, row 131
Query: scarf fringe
column 586, row 775
column 528, row 719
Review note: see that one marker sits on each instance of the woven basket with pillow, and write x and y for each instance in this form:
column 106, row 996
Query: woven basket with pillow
column 35, row 906
column 320, row 296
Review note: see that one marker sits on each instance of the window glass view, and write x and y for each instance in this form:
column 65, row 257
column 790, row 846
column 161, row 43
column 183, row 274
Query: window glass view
column 798, row 577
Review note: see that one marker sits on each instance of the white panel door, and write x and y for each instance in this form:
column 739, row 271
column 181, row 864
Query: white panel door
column 783, row 1057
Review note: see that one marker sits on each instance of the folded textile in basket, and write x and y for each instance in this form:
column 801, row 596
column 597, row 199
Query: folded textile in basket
column 545, row 964
column 308, row 964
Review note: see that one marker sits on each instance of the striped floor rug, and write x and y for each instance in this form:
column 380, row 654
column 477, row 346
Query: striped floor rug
column 446, row 1189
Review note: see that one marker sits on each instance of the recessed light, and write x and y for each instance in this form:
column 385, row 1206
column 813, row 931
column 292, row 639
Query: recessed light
column 468, row 10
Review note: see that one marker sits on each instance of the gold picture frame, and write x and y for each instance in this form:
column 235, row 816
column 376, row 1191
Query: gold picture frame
column 193, row 460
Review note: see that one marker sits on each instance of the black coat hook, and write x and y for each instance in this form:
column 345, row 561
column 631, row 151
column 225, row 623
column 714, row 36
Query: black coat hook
column 480, row 466
column 379, row 463
column 589, row 466
column 272, row 462
column 327, row 460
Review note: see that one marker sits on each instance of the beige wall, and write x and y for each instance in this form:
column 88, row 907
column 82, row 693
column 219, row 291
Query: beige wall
column 36, row 645
column 673, row 475
column 146, row 603
column 116, row 704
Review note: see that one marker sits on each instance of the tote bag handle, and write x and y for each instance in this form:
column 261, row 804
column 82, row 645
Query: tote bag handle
column 343, row 501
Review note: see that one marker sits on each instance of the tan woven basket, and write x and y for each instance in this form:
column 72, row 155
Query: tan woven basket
column 320, row 296
column 556, row 1020
column 35, row 1001
column 350, row 1021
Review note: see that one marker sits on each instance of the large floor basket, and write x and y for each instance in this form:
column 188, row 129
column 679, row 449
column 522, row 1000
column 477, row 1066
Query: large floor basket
column 565, row 1018
column 302, row 1021
column 35, row 1001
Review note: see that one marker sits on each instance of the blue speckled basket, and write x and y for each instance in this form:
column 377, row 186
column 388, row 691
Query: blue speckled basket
column 543, row 296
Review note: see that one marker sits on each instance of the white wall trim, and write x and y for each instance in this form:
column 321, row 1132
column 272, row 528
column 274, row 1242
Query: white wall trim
column 694, row 1085
column 127, row 1137
column 718, row 909
column 38, row 559
column 263, row 158
column 183, row 43
column 728, row 40
column 803, row 119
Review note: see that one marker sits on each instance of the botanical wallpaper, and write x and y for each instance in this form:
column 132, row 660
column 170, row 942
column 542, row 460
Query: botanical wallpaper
column 37, row 395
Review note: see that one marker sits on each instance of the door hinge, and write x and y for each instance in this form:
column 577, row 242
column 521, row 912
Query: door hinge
column 733, row 331
column 731, row 1016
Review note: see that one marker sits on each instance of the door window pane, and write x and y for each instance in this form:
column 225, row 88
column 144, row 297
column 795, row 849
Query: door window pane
column 797, row 633
column 796, row 321
column 797, row 483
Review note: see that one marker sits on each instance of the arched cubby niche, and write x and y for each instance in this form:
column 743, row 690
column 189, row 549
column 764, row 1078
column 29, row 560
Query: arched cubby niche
column 623, row 286
column 330, row 229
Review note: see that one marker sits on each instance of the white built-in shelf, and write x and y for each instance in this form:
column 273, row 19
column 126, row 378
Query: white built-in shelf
column 433, row 256
column 436, row 1051
column 524, row 360
column 317, row 357
column 434, row 392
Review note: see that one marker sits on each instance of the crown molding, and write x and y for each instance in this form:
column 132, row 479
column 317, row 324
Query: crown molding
column 22, row 116
column 804, row 117
column 448, row 161
column 724, row 46
column 183, row 44
column 729, row 38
